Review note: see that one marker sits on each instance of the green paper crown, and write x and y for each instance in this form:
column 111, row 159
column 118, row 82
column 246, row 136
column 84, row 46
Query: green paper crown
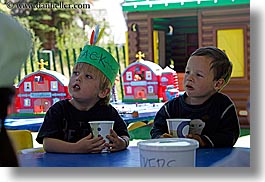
column 101, row 59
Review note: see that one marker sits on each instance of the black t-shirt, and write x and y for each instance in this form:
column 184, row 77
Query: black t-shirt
column 218, row 116
column 63, row 121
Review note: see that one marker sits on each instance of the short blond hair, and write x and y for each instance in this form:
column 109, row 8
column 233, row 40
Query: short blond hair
column 104, row 82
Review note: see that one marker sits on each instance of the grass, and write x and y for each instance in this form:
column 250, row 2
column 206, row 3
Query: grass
column 144, row 132
column 244, row 132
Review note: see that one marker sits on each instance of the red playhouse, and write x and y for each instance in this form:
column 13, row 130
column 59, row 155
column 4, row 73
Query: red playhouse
column 169, row 84
column 40, row 90
column 146, row 81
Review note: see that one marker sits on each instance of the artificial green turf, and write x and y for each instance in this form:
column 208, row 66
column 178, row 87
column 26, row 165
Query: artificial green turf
column 144, row 132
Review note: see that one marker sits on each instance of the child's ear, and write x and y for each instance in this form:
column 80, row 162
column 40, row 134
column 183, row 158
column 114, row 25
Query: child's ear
column 219, row 84
column 103, row 93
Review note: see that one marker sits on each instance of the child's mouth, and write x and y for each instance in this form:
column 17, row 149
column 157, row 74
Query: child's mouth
column 76, row 87
column 189, row 87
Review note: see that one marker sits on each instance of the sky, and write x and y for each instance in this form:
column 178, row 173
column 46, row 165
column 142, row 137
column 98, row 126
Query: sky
column 114, row 15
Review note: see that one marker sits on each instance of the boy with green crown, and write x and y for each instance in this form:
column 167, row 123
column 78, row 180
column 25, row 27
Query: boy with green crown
column 65, row 128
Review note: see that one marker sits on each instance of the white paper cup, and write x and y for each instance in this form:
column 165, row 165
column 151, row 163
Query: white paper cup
column 101, row 128
column 168, row 152
column 178, row 127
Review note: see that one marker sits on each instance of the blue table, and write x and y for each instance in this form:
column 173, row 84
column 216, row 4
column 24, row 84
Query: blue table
column 33, row 124
column 127, row 158
column 146, row 112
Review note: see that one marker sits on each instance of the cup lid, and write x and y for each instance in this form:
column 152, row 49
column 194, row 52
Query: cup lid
column 100, row 122
column 178, row 119
column 168, row 144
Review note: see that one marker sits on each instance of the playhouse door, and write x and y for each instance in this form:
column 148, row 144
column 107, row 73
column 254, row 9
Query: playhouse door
column 232, row 42
column 140, row 93
column 41, row 105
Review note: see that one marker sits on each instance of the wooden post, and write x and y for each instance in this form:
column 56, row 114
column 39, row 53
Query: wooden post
column 124, row 56
column 68, row 62
column 74, row 55
column 118, row 59
column 25, row 68
column 61, row 61
column 31, row 61
column 53, row 59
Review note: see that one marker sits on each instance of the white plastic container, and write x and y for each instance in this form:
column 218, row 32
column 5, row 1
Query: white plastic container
column 168, row 152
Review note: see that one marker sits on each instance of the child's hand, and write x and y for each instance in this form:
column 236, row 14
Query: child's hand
column 198, row 138
column 89, row 144
column 116, row 143
column 166, row 135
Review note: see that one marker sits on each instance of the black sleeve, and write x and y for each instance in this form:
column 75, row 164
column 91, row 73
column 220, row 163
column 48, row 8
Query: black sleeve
column 51, row 124
column 227, row 132
column 120, row 127
column 160, row 124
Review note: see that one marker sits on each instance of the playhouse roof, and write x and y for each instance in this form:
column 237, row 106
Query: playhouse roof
column 152, row 5
column 153, row 66
column 61, row 78
column 168, row 70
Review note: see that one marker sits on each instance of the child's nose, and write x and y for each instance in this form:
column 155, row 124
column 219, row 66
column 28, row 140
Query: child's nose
column 189, row 77
column 78, row 77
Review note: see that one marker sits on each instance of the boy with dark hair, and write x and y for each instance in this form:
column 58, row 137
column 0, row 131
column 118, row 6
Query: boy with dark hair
column 213, row 115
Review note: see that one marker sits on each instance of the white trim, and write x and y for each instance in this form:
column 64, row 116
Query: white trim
column 209, row 140
column 226, row 110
